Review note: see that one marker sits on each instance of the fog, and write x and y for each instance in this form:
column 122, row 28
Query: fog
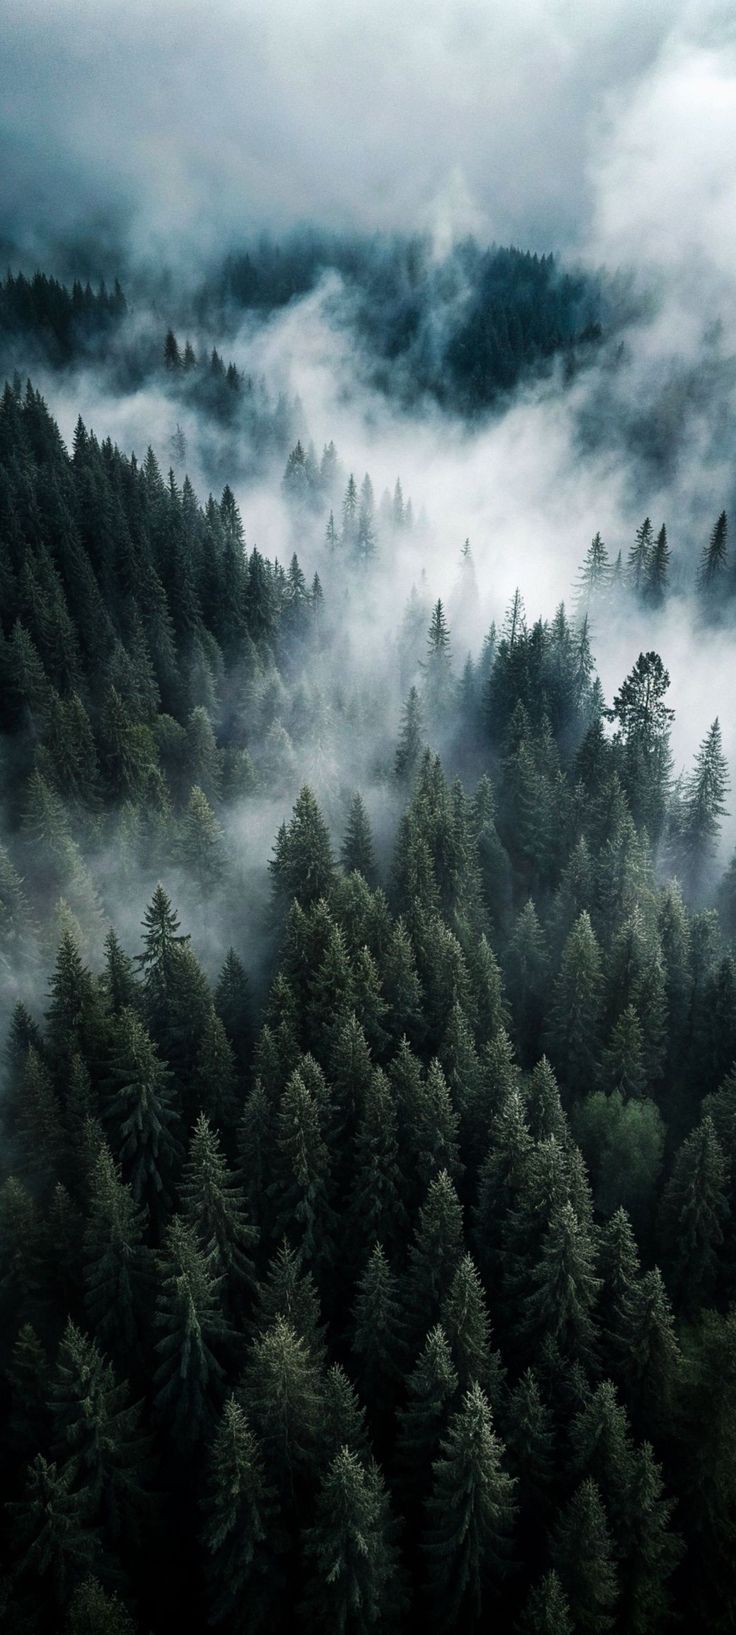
column 168, row 137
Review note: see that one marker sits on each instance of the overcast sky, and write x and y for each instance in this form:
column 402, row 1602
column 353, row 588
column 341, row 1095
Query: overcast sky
column 549, row 123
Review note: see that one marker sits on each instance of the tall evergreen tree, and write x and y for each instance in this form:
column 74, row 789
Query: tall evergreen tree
column 470, row 1513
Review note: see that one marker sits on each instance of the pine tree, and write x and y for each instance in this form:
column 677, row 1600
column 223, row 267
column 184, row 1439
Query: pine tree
column 465, row 1320
column 655, row 584
column 97, row 1435
column 302, row 866
column 189, row 1317
column 56, row 1543
column 161, row 939
column 233, row 1006
column 202, row 846
column 618, row 1265
column 564, row 1287
column 435, row 1252
column 574, row 1012
column 117, row 1270
column 241, row 1527
column 470, row 1513
column 378, row 1330
column 526, row 973
column 547, row 1611
column 357, row 850
column 401, row 985
column 622, row 1061
column 702, row 806
column 438, row 663
column 343, row 1417
column 694, row 1214
column 639, row 557
column 530, row 1435
column 353, row 1563
column 281, row 1393
column 214, row 1207
column 350, row 513
column 140, row 1115
column 120, row 985
column 376, row 1209
column 411, row 739
column 714, row 558
column 302, row 1187
column 212, row 1087
column 582, row 1555
column 594, row 577
column 500, row 1183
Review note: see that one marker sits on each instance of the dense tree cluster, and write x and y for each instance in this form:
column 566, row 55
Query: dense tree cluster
column 60, row 323
column 403, row 1293
column 463, row 328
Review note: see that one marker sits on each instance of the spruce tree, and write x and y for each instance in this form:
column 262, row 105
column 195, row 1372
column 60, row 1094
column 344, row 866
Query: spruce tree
column 694, row 1215
column 378, row 1330
column 192, row 1332
column 376, row 1209
column 411, row 740
column 470, row 1513
column 140, row 1116
column 357, row 848
column 56, row 1542
column 282, row 1395
column 582, row 1554
column 288, row 1291
column 241, row 1533
column 547, row 1611
column 97, row 1436
column 564, row 1287
column 352, row 1561
column 213, row 1205
column 435, row 1252
column 117, row 1271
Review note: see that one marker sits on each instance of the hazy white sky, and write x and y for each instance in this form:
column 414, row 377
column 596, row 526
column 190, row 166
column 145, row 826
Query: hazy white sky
column 548, row 123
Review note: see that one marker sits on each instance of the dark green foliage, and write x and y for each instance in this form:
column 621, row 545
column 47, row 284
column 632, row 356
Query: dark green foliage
column 694, row 1214
column 96, row 1611
column 352, row 1572
column 564, row 1287
column 547, row 1611
column 357, row 849
column 582, row 1554
column 469, row 1517
column 192, row 1331
column 369, row 1156
column 97, row 1436
column 302, row 865
column 282, row 1394
column 140, row 1115
column 241, row 1525
column 213, row 1205
column 117, row 1263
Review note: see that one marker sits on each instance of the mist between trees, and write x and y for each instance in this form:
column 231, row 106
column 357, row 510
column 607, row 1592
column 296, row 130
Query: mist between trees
column 365, row 1244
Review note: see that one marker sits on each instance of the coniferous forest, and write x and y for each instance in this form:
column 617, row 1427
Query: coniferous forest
column 367, row 904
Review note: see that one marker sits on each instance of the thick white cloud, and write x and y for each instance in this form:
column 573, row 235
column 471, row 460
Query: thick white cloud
column 446, row 114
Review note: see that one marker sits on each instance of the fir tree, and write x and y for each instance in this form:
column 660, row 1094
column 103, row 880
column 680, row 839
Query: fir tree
column 357, row 850
column 470, row 1513
column 241, row 1532
column 213, row 1206
column 192, row 1329
column 353, row 1564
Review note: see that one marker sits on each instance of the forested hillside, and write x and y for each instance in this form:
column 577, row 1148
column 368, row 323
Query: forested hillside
column 369, row 1120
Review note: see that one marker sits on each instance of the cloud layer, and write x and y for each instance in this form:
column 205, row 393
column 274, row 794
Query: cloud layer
column 520, row 123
